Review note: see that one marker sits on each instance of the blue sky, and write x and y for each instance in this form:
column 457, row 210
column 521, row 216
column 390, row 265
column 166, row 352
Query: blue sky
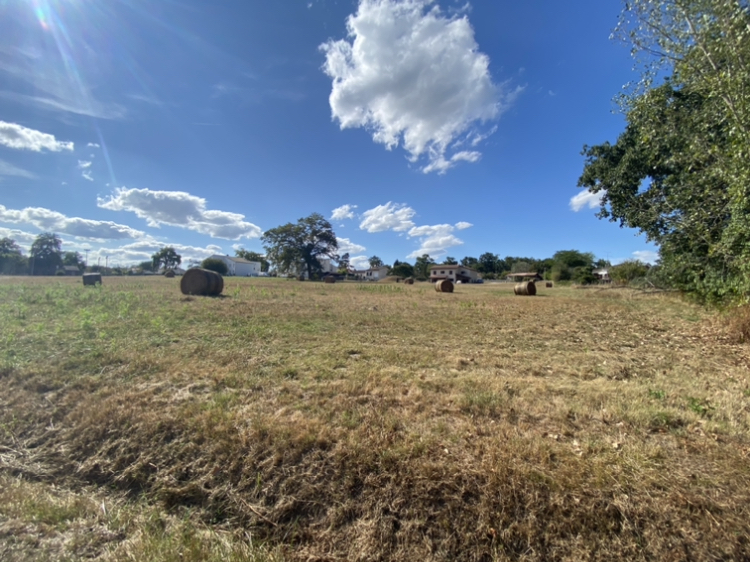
column 451, row 128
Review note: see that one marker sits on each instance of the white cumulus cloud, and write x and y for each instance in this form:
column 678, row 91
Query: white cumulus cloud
column 178, row 208
column 461, row 225
column 391, row 216
column 413, row 76
column 142, row 250
column 436, row 239
column 83, row 164
column 346, row 246
column 646, row 256
column 343, row 212
column 359, row 262
column 52, row 221
column 586, row 199
column 17, row 136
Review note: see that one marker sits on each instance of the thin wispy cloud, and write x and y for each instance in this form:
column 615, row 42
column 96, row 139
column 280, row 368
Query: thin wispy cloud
column 8, row 169
column 586, row 199
column 413, row 76
column 391, row 216
column 47, row 220
column 19, row 137
column 181, row 209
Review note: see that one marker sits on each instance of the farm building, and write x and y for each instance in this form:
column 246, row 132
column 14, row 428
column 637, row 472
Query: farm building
column 455, row 273
column 239, row 266
column 373, row 274
column 524, row 276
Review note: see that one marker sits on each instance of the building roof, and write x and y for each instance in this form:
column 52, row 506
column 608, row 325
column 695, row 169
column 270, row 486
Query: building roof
column 458, row 266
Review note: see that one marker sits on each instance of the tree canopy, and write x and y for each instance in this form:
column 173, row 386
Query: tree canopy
column 294, row 248
column 12, row 261
column 46, row 254
column 166, row 256
column 680, row 172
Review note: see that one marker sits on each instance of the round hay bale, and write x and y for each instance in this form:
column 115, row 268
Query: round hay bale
column 444, row 286
column 92, row 278
column 526, row 288
column 169, row 273
column 329, row 279
column 197, row 281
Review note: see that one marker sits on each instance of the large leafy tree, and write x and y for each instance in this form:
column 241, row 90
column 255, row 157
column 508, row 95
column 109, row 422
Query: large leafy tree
column 680, row 172
column 12, row 261
column 253, row 256
column 46, row 254
column 294, row 247
column 375, row 262
column 402, row 269
column 166, row 256
column 422, row 266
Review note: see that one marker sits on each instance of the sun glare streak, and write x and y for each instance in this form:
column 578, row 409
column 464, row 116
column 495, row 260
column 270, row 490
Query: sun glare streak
column 105, row 152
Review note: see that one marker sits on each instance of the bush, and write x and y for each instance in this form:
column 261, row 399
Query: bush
column 628, row 271
column 215, row 264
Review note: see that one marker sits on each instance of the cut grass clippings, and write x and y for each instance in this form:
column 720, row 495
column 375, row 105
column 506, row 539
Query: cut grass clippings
column 311, row 421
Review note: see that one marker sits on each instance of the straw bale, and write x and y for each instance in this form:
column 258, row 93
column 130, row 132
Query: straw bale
column 444, row 286
column 197, row 281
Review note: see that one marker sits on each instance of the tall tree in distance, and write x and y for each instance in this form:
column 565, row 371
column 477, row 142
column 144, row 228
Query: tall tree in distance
column 166, row 256
column 46, row 254
column 297, row 247
column 375, row 262
column 422, row 266
column 12, row 261
column 253, row 256
column 450, row 261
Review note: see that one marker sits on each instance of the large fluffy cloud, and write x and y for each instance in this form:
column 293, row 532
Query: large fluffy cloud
column 414, row 76
column 44, row 219
column 391, row 216
column 17, row 136
column 436, row 239
column 586, row 199
column 177, row 208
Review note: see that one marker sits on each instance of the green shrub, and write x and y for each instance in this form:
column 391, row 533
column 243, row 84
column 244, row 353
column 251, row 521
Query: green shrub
column 215, row 264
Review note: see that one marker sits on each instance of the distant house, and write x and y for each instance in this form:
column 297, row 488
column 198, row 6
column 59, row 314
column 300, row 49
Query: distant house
column 239, row 266
column 373, row 274
column 454, row 273
column 602, row 275
column 525, row 276
column 70, row 270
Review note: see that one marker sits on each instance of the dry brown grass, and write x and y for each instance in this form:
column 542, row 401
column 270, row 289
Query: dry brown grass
column 376, row 421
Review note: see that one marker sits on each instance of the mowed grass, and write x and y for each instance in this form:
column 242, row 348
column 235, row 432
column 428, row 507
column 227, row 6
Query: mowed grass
column 307, row 421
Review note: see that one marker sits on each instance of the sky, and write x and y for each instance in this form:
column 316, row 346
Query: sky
column 448, row 128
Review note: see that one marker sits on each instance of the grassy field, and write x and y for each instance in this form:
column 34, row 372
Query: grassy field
column 304, row 421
